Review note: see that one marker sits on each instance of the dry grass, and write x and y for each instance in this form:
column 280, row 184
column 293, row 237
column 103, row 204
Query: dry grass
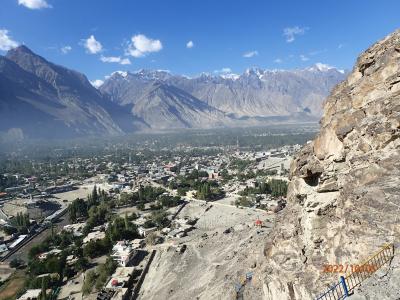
column 12, row 286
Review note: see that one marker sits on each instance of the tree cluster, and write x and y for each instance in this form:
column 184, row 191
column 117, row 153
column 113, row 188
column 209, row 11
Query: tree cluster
column 21, row 222
column 275, row 187
column 209, row 191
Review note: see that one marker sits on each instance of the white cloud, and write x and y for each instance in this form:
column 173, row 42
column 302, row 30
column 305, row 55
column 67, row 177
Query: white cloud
column 142, row 45
column 278, row 61
column 92, row 46
column 125, row 61
column 223, row 71
column 66, row 49
column 189, row 44
column 115, row 59
column 291, row 32
column 97, row 83
column 34, row 4
column 6, row 42
column 303, row 57
column 250, row 54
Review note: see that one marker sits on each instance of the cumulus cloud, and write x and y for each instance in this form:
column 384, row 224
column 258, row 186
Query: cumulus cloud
column 34, row 4
column 250, row 54
column 125, row 61
column 6, row 42
column 303, row 57
column 115, row 59
column 141, row 45
column 278, row 61
column 189, row 44
column 66, row 49
column 291, row 32
column 92, row 45
column 97, row 83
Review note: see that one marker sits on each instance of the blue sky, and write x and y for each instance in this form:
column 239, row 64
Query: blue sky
column 96, row 36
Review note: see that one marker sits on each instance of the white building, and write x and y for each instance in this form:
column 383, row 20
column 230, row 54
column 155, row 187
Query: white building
column 146, row 231
column 54, row 252
column 122, row 253
column 33, row 294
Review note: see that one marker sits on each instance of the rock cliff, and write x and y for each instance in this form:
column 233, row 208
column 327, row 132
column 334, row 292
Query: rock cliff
column 344, row 192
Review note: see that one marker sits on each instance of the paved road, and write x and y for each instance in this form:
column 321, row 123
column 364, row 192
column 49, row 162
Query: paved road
column 23, row 252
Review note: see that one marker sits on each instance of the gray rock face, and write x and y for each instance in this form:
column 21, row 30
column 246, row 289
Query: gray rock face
column 46, row 100
column 344, row 193
column 166, row 107
column 251, row 98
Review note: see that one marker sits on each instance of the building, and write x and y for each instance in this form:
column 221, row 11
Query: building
column 71, row 260
column 17, row 241
column 122, row 253
column 121, row 278
column 137, row 243
column 33, row 294
column 76, row 228
column 94, row 236
column 54, row 252
column 121, row 283
column 146, row 231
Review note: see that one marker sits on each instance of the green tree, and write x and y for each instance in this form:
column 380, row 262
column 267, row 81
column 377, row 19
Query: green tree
column 141, row 206
column 16, row 263
column 88, row 284
column 43, row 295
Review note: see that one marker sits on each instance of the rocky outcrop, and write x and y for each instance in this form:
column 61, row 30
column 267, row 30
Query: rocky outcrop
column 344, row 192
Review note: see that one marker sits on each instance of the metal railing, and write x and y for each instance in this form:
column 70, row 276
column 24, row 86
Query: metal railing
column 348, row 283
column 375, row 261
column 336, row 292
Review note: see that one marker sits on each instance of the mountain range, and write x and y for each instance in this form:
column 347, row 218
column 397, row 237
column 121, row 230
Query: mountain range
column 39, row 99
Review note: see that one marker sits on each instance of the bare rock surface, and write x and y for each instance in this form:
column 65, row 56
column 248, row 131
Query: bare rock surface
column 224, row 247
column 344, row 194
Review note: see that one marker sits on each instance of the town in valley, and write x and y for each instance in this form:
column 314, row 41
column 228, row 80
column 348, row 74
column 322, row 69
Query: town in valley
column 104, row 215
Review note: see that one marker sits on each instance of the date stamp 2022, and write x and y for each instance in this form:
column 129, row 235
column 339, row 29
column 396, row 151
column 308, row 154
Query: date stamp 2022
column 344, row 268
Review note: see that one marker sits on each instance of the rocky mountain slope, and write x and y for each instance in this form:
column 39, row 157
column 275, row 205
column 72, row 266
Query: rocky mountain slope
column 39, row 99
column 46, row 100
column 255, row 95
column 344, row 194
column 166, row 107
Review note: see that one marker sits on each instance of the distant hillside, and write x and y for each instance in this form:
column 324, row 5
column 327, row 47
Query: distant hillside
column 39, row 99
column 46, row 100
column 256, row 94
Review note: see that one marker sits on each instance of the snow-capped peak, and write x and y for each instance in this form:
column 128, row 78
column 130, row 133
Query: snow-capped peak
column 323, row 68
column 97, row 83
column 255, row 71
column 153, row 74
column 231, row 76
column 121, row 73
